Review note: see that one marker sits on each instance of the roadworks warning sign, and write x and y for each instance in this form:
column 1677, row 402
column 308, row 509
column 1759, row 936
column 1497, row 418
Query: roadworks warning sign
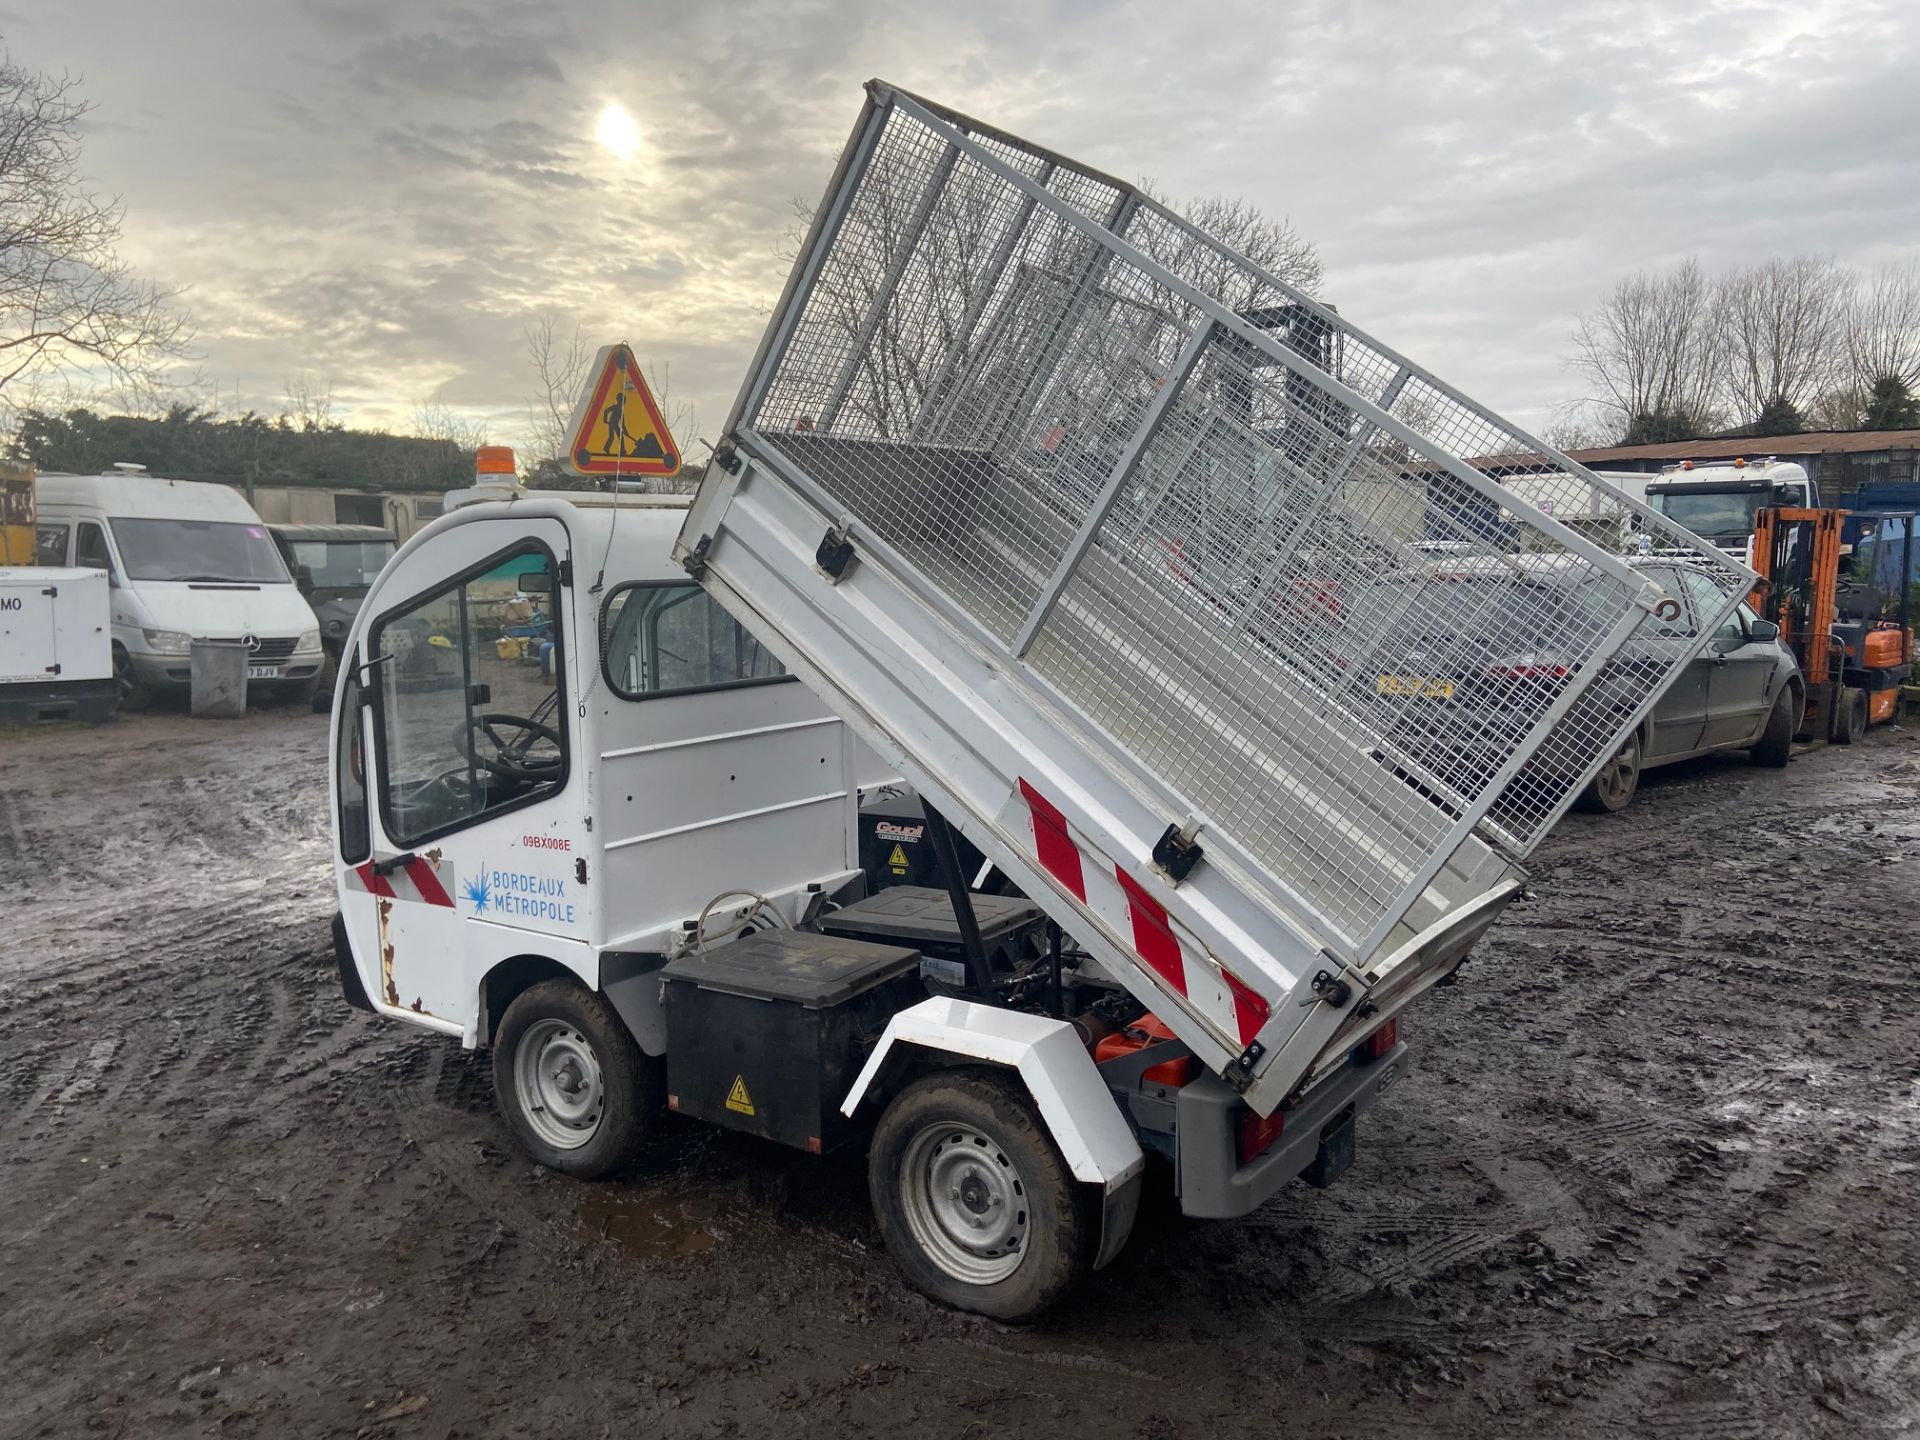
column 737, row 1097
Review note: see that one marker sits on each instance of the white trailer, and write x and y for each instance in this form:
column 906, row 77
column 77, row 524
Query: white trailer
column 56, row 647
column 1220, row 768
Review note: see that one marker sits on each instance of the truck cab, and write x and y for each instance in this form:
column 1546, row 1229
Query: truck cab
column 1719, row 502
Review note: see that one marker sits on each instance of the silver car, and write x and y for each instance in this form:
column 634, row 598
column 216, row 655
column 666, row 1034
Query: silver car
column 1743, row 691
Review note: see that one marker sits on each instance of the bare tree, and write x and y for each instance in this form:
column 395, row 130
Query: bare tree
column 434, row 419
column 1783, row 326
column 67, row 300
column 1578, row 426
column 1883, row 327
column 559, row 360
column 1648, row 352
column 309, row 404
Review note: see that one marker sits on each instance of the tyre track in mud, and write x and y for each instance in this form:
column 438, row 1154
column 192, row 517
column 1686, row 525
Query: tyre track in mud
column 1650, row 1175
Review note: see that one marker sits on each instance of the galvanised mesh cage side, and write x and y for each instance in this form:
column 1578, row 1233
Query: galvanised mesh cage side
column 1339, row 611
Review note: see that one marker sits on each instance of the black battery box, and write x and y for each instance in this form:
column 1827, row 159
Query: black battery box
column 766, row 1033
column 1012, row 929
column 895, row 850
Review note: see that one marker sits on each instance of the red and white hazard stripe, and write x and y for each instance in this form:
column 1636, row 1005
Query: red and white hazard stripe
column 413, row 880
column 1129, row 913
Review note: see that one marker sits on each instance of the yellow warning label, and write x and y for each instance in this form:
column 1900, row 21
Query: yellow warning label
column 898, row 859
column 737, row 1097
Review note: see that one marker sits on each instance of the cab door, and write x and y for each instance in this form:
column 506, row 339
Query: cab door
column 1741, row 682
column 472, row 743
column 1680, row 715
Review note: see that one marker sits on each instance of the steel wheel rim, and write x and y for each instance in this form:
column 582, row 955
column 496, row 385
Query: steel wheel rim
column 965, row 1203
column 561, row 1090
column 1616, row 778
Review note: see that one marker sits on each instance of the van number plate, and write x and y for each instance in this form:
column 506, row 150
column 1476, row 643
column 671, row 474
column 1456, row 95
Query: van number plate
column 262, row 672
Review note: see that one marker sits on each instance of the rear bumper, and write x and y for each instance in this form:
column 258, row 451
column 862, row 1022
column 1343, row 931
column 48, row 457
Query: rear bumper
column 1214, row 1186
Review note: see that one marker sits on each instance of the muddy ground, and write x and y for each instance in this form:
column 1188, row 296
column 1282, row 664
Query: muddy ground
column 1655, row 1173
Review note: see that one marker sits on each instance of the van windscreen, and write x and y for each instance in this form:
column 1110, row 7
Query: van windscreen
column 227, row 550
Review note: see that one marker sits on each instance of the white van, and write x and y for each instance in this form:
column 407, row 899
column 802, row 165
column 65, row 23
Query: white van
column 186, row 562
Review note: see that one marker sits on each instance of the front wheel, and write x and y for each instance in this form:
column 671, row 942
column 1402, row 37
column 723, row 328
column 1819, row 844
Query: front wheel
column 578, row 1094
column 1850, row 719
column 1613, row 787
column 134, row 693
column 976, row 1205
column 1775, row 745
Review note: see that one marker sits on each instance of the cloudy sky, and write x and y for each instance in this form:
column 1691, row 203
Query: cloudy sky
column 380, row 194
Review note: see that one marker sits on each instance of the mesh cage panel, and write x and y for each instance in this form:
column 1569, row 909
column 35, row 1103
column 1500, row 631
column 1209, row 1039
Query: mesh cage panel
column 1321, row 600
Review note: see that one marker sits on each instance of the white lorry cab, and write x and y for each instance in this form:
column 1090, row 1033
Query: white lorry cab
column 1719, row 502
column 185, row 561
column 598, row 760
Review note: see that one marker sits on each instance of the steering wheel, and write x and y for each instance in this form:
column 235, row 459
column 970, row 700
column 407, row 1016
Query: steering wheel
column 510, row 758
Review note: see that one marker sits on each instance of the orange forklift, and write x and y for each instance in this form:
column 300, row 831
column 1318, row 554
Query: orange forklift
column 1839, row 584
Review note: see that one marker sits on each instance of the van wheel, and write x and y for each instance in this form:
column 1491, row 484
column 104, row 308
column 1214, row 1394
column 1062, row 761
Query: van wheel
column 578, row 1094
column 134, row 694
column 1614, row 786
column 976, row 1205
column 1775, row 746
column 1850, row 720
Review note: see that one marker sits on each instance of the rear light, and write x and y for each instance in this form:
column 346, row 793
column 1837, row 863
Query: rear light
column 1379, row 1042
column 1256, row 1133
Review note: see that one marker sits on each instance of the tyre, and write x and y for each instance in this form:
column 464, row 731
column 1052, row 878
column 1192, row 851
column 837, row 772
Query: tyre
column 1613, row 787
column 976, row 1205
column 1775, row 745
column 304, row 692
column 1850, row 719
column 134, row 694
column 578, row 1094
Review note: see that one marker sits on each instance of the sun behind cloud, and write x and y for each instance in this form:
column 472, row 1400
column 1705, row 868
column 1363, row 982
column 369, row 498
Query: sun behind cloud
column 617, row 131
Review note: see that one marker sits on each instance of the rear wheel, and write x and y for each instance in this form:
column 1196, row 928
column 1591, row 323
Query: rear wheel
column 1775, row 746
column 1850, row 718
column 977, row 1206
column 578, row 1094
column 1613, row 787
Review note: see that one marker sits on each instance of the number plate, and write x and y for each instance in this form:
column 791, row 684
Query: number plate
column 263, row 672
column 1421, row 685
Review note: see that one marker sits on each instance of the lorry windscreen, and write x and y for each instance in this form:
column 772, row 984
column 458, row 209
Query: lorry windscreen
column 1709, row 512
column 230, row 550
column 343, row 564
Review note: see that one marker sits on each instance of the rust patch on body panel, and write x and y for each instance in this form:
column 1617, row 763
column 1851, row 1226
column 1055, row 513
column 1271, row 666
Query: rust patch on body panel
column 386, row 955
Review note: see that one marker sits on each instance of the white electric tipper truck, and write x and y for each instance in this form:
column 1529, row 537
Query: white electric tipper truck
column 1231, row 688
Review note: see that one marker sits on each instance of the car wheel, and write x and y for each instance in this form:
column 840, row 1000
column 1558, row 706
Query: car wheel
column 134, row 694
column 1614, row 786
column 578, row 1094
column 1775, row 745
column 976, row 1204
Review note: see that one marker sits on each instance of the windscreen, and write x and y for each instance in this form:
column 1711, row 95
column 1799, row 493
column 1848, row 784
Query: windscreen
column 198, row 550
column 1709, row 513
column 343, row 564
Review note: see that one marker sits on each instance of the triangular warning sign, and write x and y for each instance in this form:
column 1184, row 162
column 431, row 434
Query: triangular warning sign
column 737, row 1097
column 898, row 859
column 618, row 429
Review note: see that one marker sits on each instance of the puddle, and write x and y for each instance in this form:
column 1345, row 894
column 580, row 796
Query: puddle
column 652, row 1227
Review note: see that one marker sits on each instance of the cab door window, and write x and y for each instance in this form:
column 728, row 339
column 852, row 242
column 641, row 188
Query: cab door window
column 90, row 547
column 668, row 637
column 469, row 714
